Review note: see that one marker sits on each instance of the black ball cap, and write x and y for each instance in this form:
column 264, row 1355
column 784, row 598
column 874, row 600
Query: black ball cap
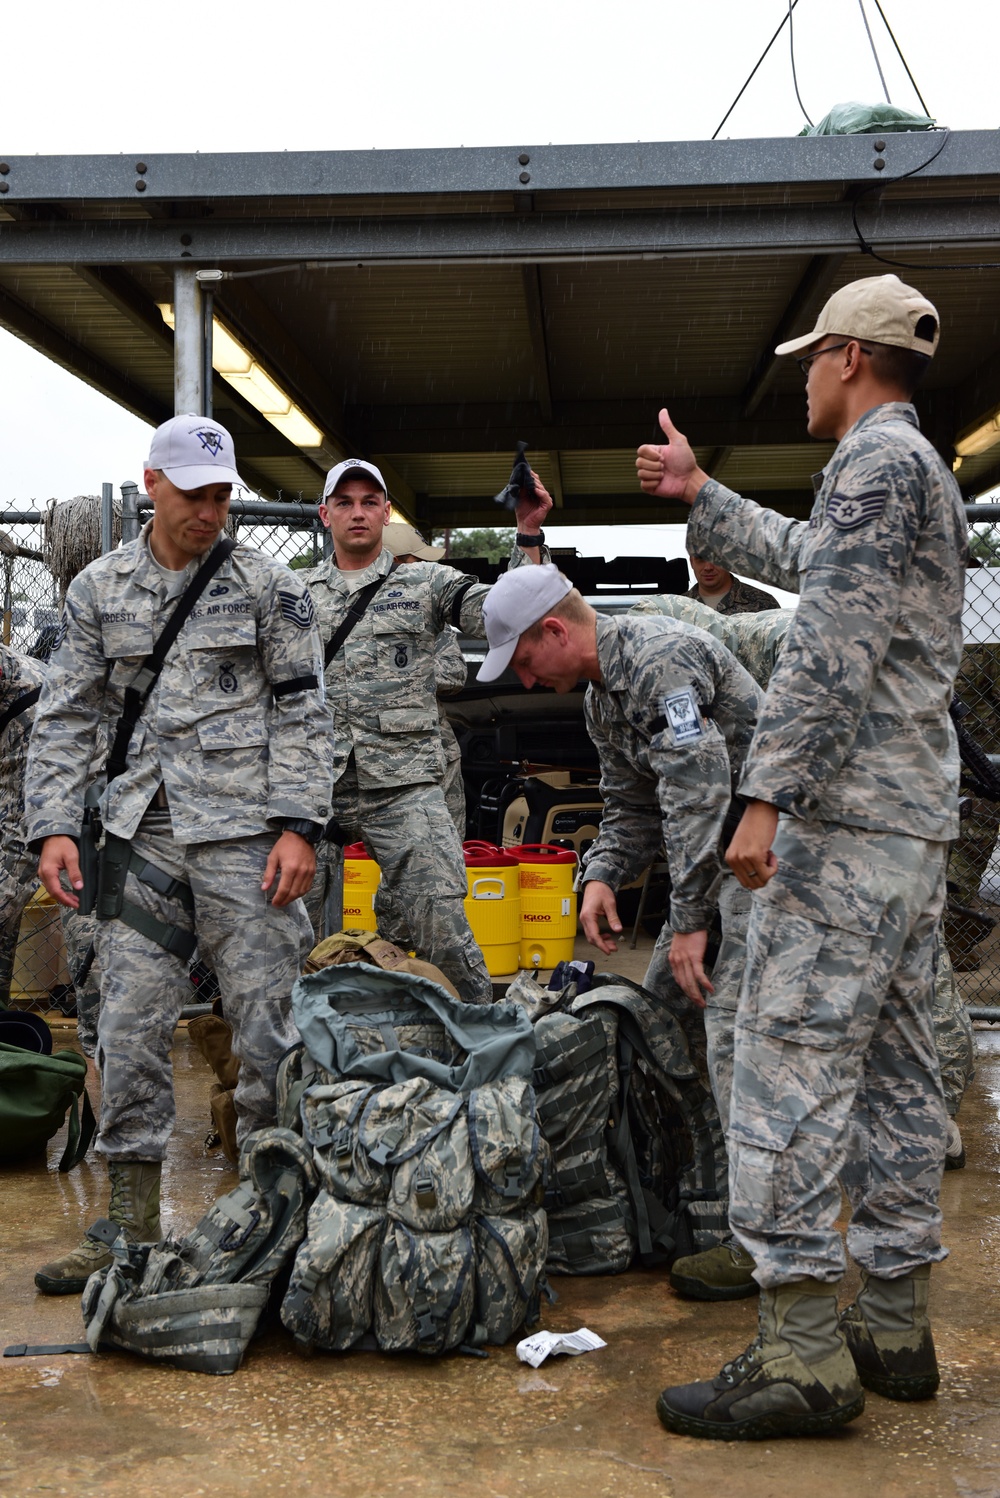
column 29, row 1031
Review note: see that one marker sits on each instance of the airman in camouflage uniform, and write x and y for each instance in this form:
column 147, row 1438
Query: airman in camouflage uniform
column 19, row 676
column 757, row 640
column 450, row 676
column 386, row 751
column 978, row 687
column 226, row 786
column 851, row 784
column 738, row 597
column 671, row 713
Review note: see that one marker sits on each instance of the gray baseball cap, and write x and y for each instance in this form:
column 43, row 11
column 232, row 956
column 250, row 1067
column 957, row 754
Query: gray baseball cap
column 515, row 602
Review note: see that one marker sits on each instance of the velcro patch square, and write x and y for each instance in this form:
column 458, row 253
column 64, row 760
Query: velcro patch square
column 683, row 718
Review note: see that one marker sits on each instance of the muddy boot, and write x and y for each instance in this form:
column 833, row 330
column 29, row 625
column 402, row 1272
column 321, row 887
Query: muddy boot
column 135, row 1206
column 954, row 1149
column 889, row 1334
column 721, row 1273
column 795, row 1379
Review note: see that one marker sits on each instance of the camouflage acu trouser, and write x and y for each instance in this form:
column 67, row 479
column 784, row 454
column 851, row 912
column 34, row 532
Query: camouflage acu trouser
column 419, row 904
column 709, row 1031
column 953, row 1037
column 451, row 782
column 18, row 878
column 253, row 948
column 836, row 1072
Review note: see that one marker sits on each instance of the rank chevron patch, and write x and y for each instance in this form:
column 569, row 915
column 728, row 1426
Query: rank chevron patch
column 296, row 608
column 846, row 511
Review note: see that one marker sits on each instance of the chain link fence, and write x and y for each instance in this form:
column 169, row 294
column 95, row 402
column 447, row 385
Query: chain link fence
column 293, row 534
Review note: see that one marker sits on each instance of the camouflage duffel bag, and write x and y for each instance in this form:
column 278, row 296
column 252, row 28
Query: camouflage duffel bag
column 195, row 1301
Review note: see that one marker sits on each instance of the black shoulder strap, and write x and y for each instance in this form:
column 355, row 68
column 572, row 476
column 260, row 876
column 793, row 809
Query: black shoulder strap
column 142, row 683
column 355, row 614
column 18, row 706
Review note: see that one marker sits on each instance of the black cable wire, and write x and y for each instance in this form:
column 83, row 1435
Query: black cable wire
column 791, row 50
column 903, row 60
column 868, row 249
column 871, row 43
column 760, row 59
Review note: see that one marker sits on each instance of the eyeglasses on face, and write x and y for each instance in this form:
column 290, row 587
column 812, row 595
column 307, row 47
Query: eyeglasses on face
column 805, row 362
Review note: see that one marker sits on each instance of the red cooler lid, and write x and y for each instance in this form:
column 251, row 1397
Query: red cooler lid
column 543, row 853
column 480, row 855
column 356, row 850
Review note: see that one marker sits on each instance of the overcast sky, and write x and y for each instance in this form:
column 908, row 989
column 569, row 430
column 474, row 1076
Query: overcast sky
column 111, row 77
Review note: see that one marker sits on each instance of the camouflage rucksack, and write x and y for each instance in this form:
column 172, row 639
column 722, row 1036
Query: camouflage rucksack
column 427, row 1232
column 638, row 1151
column 195, row 1302
column 664, row 1135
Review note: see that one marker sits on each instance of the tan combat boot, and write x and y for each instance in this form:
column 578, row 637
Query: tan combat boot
column 796, row 1379
column 135, row 1206
column 889, row 1334
column 724, row 1272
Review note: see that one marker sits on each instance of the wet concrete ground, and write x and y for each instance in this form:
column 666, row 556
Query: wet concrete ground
column 363, row 1424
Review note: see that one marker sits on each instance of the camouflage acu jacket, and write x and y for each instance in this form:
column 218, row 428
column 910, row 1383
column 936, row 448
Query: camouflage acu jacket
column 756, row 640
column 672, row 718
column 381, row 685
column 235, row 727
column 742, row 598
column 20, row 674
column 855, row 728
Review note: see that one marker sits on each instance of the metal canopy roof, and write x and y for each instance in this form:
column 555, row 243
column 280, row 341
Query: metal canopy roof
column 433, row 306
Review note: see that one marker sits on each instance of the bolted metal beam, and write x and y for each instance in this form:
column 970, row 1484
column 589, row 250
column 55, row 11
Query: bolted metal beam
column 717, row 229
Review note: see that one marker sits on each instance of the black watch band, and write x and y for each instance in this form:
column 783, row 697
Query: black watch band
column 311, row 831
column 538, row 540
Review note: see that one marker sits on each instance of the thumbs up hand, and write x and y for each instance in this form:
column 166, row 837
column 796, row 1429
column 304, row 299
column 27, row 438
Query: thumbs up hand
column 669, row 471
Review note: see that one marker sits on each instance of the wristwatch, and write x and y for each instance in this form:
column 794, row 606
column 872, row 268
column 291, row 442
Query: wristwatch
column 311, row 831
column 538, row 540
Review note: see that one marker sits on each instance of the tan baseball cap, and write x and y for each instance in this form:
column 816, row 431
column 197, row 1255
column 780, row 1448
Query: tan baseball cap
column 403, row 541
column 882, row 309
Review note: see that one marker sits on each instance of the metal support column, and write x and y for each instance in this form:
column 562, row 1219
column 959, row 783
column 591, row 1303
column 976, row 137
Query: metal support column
column 130, row 510
column 107, row 519
column 189, row 344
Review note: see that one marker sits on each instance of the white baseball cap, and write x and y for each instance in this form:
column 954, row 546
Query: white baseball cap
column 352, row 468
column 403, row 541
column 192, row 451
column 516, row 601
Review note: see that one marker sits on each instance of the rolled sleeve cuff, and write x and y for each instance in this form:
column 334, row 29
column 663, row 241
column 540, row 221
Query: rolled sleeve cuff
column 57, row 829
column 689, row 916
column 605, row 871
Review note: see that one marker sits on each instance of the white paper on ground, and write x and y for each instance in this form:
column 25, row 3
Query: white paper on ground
column 536, row 1348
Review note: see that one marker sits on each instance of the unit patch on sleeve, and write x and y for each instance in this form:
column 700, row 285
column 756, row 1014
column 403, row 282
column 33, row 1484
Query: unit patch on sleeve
column 296, row 608
column 847, row 511
column 681, row 716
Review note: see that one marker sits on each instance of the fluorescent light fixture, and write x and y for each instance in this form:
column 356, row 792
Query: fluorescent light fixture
column 239, row 368
column 979, row 437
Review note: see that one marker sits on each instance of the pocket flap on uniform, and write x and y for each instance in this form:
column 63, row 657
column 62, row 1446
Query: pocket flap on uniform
column 829, row 901
column 233, row 730
column 761, row 1128
column 405, row 720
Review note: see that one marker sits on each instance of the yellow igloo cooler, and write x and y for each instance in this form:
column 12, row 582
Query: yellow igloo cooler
column 548, row 904
column 493, row 905
column 362, row 876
